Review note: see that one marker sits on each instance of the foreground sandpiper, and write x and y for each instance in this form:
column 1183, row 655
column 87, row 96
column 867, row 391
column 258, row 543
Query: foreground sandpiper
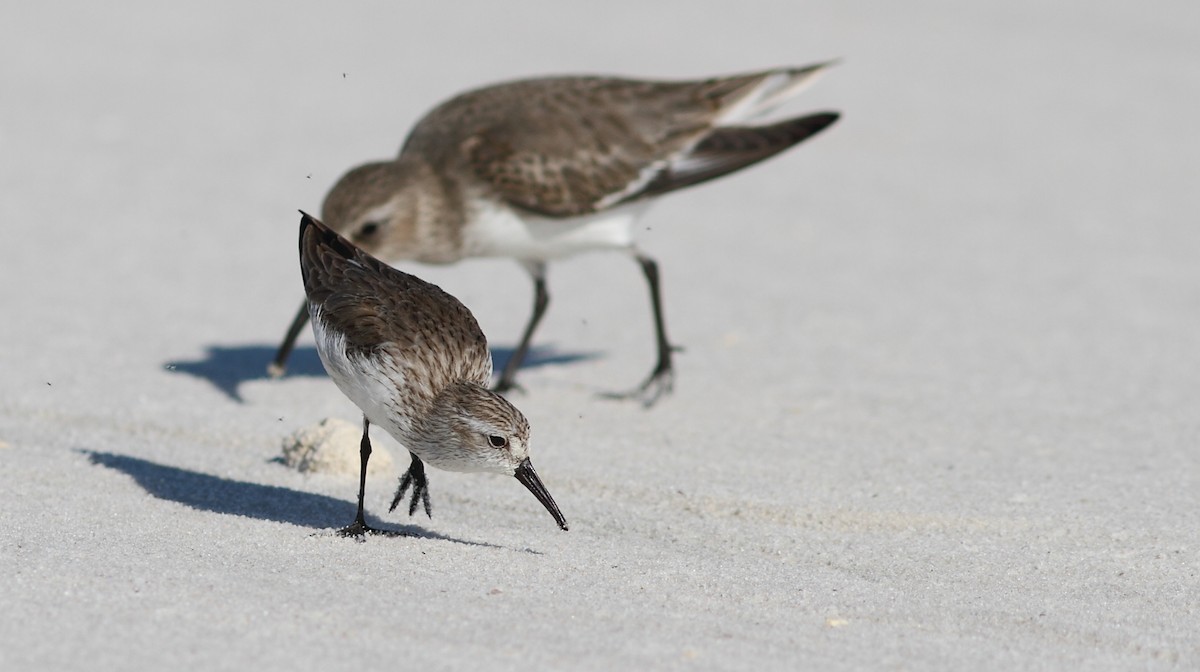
column 542, row 169
column 414, row 360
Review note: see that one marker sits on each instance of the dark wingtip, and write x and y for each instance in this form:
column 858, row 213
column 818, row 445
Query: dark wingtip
column 815, row 123
column 307, row 220
column 324, row 236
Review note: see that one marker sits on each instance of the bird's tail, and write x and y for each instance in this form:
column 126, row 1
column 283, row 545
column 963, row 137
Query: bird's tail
column 730, row 148
column 325, row 255
column 757, row 94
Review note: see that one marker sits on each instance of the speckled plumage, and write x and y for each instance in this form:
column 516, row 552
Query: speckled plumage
column 542, row 169
column 414, row 360
column 382, row 311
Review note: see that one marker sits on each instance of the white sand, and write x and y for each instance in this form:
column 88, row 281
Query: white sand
column 939, row 407
column 332, row 446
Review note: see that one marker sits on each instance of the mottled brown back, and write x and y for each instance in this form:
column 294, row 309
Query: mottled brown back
column 564, row 146
column 378, row 308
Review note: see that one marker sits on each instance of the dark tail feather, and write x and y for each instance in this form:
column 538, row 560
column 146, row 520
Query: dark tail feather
column 306, row 220
column 323, row 253
column 731, row 148
column 314, row 235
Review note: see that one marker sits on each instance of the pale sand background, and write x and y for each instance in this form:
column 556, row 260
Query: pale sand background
column 939, row 408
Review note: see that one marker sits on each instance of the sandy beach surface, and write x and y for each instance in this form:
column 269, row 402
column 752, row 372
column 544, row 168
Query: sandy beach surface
column 938, row 408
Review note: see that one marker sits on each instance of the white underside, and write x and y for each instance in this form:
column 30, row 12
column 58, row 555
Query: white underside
column 496, row 230
column 370, row 385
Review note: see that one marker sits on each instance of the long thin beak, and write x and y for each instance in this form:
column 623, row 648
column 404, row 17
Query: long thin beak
column 529, row 478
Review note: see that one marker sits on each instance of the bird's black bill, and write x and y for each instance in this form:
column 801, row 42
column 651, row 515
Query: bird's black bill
column 529, row 478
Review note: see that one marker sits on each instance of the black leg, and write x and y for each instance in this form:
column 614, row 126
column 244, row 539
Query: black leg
column 276, row 368
column 541, row 299
column 359, row 526
column 415, row 476
column 662, row 377
column 650, row 268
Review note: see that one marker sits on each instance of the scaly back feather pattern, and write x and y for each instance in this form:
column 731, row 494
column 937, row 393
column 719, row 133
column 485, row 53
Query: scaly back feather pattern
column 379, row 308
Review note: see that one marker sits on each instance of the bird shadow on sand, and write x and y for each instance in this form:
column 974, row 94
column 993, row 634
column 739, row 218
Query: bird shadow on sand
column 252, row 500
column 227, row 367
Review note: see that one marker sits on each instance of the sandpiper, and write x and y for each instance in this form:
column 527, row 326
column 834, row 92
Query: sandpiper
column 542, row 169
column 414, row 360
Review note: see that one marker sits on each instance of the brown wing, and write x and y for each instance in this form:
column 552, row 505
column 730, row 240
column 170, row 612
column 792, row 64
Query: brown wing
column 574, row 145
column 378, row 307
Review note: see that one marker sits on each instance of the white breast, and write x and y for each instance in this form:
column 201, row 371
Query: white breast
column 371, row 385
column 495, row 230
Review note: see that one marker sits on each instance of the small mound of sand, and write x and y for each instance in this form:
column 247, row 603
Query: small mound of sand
column 331, row 447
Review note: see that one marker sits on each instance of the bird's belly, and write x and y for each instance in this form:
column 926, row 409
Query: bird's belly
column 370, row 385
column 499, row 231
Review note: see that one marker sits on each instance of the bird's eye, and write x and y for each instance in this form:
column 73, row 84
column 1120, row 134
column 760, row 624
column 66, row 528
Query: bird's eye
column 369, row 229
column 497, row 441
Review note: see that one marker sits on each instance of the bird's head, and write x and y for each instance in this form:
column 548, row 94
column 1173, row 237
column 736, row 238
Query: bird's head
column 370, row 207
column 470, row 428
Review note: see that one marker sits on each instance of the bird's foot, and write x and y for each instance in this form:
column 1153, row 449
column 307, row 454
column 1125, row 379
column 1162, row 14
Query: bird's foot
column 660, row 383
column 275, row 370
column 357, row 529
column 415, row 476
